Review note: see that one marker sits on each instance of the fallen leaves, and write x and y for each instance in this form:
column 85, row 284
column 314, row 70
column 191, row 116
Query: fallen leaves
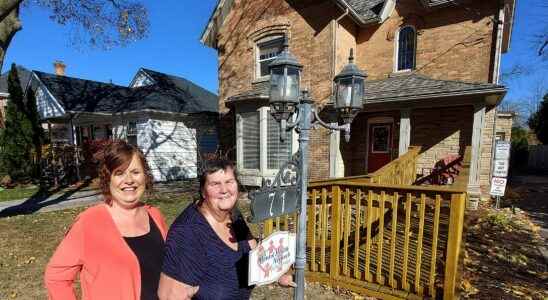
column 501, row 259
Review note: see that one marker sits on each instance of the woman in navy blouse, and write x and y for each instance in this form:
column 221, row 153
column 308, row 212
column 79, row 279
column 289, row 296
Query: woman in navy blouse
column 207, row 247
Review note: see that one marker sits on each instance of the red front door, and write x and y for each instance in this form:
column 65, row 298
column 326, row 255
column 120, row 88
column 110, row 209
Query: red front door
column 380, row 146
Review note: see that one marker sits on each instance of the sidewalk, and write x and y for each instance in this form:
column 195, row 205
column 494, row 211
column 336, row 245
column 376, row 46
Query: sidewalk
column 67, row 199
column 76, row 198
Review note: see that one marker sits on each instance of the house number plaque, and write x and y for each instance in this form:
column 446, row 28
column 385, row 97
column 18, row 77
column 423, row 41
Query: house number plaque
column 276, row 199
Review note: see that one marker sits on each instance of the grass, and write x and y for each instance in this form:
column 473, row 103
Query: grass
column 27, row 191
column 28, row 241
column 18, row 193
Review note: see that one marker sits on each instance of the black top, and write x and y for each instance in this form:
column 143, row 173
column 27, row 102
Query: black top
column 149, row 249
column 195, row 255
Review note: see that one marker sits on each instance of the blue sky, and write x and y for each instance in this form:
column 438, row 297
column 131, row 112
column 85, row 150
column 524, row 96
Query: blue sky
column 173, row 47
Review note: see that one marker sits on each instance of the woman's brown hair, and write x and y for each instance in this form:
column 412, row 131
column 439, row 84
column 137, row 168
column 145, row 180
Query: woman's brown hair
column 118, row 155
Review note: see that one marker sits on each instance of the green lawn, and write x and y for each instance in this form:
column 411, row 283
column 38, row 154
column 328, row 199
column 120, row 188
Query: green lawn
column 18, row 193
column 27, row 242
column 22, row 192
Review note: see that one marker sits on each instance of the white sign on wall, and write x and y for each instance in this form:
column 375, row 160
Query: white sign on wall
column 271, row 258
column 500, row 168
column 502, row 150
column 498, row 186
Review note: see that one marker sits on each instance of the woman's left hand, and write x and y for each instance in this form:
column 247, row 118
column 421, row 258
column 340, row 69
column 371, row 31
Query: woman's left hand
column 287, row 280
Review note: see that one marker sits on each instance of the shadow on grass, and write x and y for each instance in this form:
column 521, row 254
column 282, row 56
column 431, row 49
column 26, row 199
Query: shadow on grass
column 42, row 198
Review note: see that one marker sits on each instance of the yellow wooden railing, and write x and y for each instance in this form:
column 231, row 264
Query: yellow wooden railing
column 399, row 171
column 385, row 241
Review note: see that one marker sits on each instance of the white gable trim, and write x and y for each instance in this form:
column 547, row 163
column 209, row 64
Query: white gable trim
column 216, row 20
column 387, row 10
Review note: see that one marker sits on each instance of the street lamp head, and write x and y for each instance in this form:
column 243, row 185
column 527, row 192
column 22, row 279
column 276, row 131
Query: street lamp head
column 285, row 74
column 349, row 90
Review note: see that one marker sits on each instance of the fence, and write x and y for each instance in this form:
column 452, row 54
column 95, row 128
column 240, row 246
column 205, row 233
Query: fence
column 386, row 241
column 538, row 157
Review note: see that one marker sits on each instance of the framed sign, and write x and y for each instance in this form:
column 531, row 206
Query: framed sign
column 271, row 258
column 502, row 150
column 498, row 186
column 500, row 168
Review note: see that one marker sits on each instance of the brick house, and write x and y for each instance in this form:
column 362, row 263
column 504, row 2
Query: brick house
column 433, row 80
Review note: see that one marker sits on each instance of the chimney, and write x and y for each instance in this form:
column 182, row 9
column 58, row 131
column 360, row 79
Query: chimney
column 59, row 67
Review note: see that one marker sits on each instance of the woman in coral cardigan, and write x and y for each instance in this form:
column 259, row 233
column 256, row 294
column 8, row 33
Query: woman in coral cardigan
column 116, row 246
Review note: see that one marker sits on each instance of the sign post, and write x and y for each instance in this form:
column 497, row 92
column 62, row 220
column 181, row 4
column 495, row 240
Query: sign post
column 500, row 170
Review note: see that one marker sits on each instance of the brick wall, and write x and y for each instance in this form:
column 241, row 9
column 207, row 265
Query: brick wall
column 504, row 124
column 440, row 131
column 310, row 32
column 487, row 150
column 452, row 43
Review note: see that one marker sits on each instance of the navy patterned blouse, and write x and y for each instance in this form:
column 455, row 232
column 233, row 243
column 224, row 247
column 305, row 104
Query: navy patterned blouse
column 195, row 255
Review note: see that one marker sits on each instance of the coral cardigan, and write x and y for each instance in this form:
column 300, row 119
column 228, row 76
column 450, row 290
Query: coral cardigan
column 94, row 247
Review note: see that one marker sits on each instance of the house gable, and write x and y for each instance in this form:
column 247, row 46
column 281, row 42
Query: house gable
column 46, row 104
column 141, row 79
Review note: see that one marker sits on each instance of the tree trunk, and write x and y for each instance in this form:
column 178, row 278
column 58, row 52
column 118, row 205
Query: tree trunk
column 9, row 25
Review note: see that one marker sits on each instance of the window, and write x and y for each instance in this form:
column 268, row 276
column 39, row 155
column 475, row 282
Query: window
column 250, row 140
column 108, row 131
column 267, row 51
column 406, row 49
column 278, row 153
column 259, row 140
column 131, row 134
column 84, row 134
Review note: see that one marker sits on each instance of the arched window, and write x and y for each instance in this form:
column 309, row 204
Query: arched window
column 407, row 38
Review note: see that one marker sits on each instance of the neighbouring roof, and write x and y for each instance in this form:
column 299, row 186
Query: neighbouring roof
column 208, row 101
column 368, row 10
column 24, row 76
column 80, row 95
column 415, row 86
column 405, row 87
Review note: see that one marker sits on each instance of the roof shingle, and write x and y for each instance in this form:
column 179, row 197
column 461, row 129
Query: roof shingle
column 169, row 94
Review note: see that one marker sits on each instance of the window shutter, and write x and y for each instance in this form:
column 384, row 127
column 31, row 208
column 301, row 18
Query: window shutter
column 278, row 153
column 251, row 140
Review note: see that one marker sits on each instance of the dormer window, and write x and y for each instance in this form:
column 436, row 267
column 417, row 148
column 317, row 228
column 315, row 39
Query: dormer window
column 406, row 49
column 267, row 50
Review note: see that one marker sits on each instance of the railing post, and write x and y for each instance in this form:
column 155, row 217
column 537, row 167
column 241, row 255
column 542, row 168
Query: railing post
column 456, row 220
column 335, row 232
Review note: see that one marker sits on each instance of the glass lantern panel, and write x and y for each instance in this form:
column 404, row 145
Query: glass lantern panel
column 292, row 84
column 344, row 92
column 358, row 91
column 276, row 84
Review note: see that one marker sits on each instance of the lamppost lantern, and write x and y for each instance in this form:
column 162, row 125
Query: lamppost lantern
column 349, row 90
column 285, row 77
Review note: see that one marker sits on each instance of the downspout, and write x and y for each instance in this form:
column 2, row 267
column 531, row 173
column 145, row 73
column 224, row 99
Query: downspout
column 334, row 135
column 496, row 79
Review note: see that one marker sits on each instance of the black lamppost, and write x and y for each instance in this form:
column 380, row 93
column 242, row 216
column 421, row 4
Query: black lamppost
column 285, row 100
